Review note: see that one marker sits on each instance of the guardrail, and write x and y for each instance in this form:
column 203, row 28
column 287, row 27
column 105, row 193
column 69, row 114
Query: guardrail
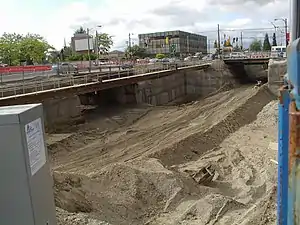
column 72, row 81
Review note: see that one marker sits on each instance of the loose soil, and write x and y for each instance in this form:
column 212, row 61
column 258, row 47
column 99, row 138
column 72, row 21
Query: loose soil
column 206, row 162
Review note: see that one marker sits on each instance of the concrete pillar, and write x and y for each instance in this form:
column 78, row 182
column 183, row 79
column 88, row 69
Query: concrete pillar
column 276, row 71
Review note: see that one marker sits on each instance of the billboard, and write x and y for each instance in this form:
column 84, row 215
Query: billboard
column 82, row 44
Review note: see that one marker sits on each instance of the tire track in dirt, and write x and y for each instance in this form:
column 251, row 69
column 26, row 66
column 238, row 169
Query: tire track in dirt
column 195, row 145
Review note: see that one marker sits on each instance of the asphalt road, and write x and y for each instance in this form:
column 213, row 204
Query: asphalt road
column 6, row 78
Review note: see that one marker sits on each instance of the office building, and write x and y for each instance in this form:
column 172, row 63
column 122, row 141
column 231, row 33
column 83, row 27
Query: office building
column 178, row 43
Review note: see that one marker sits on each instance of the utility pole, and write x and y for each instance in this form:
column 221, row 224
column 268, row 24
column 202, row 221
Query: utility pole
column 89, row 54
column 219, row 40
column 241, row 40
column 188, row 44
column 129, row 40
column 286, row 32
column 129, row 44
column 97, row 47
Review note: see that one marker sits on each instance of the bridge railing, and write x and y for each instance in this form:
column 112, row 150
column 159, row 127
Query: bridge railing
column 72, row 81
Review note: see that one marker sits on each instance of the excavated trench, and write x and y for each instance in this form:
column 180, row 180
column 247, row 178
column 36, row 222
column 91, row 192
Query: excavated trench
column 131, row 166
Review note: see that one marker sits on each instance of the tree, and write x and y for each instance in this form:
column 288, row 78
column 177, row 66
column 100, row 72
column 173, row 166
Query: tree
column 267, row 45
column 274, row 42
column 136, row 51
column 80, row 30
column 16, row 48
column 256, row 46
column 160, row 56
column 104, row 43
column 33, row 48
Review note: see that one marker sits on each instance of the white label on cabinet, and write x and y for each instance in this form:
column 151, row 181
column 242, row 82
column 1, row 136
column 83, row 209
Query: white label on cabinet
column 35, row 145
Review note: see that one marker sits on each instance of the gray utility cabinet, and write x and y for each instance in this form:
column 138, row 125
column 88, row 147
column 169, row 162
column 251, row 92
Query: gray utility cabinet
column 26, row 194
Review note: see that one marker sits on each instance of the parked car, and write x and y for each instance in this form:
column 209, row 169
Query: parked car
column 65, row 68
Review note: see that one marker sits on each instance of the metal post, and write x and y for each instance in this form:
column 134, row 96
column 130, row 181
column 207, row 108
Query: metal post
column 295, row 20
column 283, row 143
column 89, row 54
column 219, row 40
column 241, row 40
column 294, row 135
column 97, row 47
column 286, row 32
column 188, row 44
column 129, row 41
column 293, row 165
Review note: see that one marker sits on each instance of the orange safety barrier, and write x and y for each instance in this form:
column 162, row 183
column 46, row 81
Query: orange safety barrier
column 19, row 69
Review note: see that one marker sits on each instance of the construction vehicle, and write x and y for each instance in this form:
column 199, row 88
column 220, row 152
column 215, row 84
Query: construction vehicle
column 288, row 189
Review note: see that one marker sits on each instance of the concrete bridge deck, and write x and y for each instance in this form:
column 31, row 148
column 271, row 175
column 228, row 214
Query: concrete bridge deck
column 74, row 85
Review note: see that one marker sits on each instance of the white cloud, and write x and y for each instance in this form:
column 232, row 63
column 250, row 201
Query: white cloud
column 240, row 22
column 121, row 17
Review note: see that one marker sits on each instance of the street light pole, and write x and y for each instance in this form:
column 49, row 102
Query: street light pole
column 89, row 54
column 129, row 44
column 97, row 45
column 286, row 32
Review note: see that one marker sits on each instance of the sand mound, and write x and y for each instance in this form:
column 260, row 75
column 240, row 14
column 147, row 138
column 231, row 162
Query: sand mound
column 69, row 193
column 127, row 193
column 242, row 171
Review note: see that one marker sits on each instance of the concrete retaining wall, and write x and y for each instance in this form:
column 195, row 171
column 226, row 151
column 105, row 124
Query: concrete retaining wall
column 162, row 90
column 166, row 89
column 276, row 71
column 64, row 110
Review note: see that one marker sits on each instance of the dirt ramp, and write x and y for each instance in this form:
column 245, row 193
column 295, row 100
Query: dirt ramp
column 197, row 144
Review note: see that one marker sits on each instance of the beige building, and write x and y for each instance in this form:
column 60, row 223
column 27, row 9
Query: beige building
column 176, row 42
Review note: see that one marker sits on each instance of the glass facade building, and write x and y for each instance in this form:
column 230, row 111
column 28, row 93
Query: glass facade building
column 178, row 42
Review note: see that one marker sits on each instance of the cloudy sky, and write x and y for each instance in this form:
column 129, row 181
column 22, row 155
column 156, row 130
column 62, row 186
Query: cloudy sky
column 56, row 19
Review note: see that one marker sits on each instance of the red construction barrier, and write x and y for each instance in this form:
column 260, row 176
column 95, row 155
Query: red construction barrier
column 19, row 69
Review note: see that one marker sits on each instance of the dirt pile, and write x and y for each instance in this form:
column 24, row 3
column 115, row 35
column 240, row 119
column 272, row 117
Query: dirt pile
column 66, row 218
column 130, row 193
column 243, row 171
